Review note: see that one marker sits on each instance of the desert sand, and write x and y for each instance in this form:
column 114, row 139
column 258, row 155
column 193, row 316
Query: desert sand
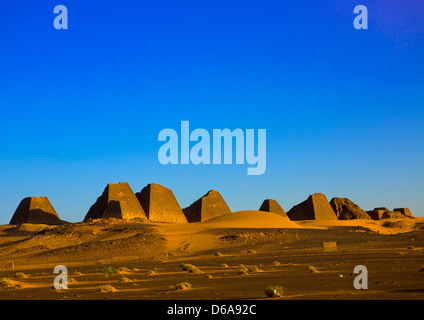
column 235, row 256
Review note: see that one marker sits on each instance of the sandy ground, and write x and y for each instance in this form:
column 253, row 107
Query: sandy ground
column 271, row 250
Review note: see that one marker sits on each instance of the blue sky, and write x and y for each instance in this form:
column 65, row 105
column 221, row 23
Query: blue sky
column 343, row 108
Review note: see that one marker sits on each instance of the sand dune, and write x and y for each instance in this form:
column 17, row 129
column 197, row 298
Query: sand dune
column 250, row 219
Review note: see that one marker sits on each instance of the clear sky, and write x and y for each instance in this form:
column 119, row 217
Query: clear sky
column 343, row 108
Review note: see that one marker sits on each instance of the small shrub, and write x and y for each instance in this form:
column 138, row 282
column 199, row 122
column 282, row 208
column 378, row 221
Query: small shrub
column 253, row 269
column 422, row 269
column 312, row 269
column 21, row 275
column 242, row 271
column 108, row 271
column 123, row 269
column 106, row 288
column 274, row 291
column 218, row 254
column 223, row 265
column 182, row 286
column 150, row 272
column 251, row 251
column 124, row 279
column 77, row 273
column 276, row 263
column 190, row 268
column 5, row 283
column 411, row 247
column 208, row 276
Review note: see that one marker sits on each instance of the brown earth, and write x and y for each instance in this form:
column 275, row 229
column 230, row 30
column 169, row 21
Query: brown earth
column 270, row 248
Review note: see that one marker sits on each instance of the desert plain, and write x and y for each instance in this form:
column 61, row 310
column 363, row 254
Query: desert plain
column 233, row 256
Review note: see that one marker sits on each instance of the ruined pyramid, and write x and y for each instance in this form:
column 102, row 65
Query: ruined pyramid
column 316, row 207
column 160, row 204
column 117, row 201
column 405, row 211
column 209, row 206
column 36, row 210
column 271, row 205
column 346, row 209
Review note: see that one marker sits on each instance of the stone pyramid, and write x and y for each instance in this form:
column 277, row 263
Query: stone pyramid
column 270, row 205
column 160, row 204
column 36, row 210
column 316, row 207
column 209, row 206
column 117, row 201
column 405, row 211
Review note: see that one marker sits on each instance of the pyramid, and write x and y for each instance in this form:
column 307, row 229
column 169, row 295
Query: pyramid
column 270, row 205
column 160, row 204
column 384, row 213
column 36, row 210
column 345, row 209
column 316, row 207
column 117, row 201
column 405, row 211
column 209, row 206
column 377, row 213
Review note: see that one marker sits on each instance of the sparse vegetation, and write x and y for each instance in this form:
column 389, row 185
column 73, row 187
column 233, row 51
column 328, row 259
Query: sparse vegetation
column 77, row 273
column 274, row 291
column 276, row 263
column 124, row 279
column 123, row 269
column 21, row 275
column 106, row 288
column 312, row 269
column 253, row 269
column 108, row 271
column 218, row 254
column 251, row 251
column 411, row 247
column 181, row 286
column 223, row 265
column 190, row 268
column 242, row 271
column 70, row 280
column 150, row 272
column 5, row 283
column 208, row 276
